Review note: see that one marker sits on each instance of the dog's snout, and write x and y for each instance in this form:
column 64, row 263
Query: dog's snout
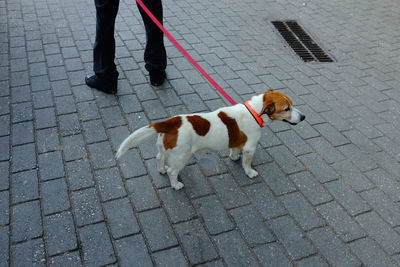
column 302, row 117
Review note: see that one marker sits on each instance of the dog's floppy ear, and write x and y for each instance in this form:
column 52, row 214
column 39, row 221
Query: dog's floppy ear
column 269, row 104
column 270, row 109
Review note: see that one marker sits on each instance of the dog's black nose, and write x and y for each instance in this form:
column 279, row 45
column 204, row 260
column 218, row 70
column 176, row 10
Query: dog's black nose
column 302, row 117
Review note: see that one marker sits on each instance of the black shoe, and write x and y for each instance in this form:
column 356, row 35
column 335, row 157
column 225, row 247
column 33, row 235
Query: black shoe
column 106, row 84
column 157, row 77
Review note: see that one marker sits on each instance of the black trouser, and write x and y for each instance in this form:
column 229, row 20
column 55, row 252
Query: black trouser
column 104, row 47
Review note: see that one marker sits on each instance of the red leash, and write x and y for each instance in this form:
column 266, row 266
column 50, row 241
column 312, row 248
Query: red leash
column 186, row 54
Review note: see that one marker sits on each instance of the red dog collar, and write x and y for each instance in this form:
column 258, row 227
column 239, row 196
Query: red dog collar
column 254, row 114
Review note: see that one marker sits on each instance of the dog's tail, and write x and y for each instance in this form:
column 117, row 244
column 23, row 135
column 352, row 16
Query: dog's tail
column 135, row 138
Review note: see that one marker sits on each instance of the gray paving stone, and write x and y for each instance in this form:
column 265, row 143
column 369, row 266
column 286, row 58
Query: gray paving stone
column 195, row 182
column 26, row 221
column 39, row 83
column 80, row 174
column 360, row 140
column 312, row 190
column 118, row 135
column 211, row 164
column 386, row 183
column 87, row 207
column 234, row 250
column 370, row 253
column 302, row 211
column 196, row 242
column 194, row 103
column 170, row 257
column 60, row 233
column 131, row 164
column 294, row 142
column 154, row 110
column 264, row 201
column 387, row 162
column 217, row 263
column 332, row 248
column 54, row 196
column 275, row 178
column 345, row 228
column 312, row 261
column 5, row 148
column 120, row 218
column 110, row 184
column 69, row 124
column 377, row 229
column 96, row 245
column 240, row 176
column 292, row 237
column 47, row 140
column 94, row 131
column 169, row 98
column 331, row 134
column 353, row 176
column 30, row 253
column 359, row 158
column 101, row 155
column 142, row 193
column 5, row 105
column 322, row 171
column 5, row 122
column 213, row 214
column 65, row 104
column 383, row 205
column 112, row 116
column 130, row 103
column 51, row 165
column 4, row 209
column 326, row 150
column 347, row 197
column 177, row 205
column 4, row 175
column 251, row 225
column 24, row 186
column 157, row 229
column 159, row 180
column 45, row 118
column 22, row 133
column 88, row 110
column 285, row 159
column 133, row 249
column 4, row 246
column 230, row 194
column 24, row 157
column 67, row 259
column 272, row 255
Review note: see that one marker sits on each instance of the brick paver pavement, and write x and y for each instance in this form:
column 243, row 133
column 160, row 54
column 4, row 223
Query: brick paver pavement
column 328, row 191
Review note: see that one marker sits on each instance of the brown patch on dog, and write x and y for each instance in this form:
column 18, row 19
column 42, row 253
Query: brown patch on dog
column 274, row 103
column 200, row 125
column 170, row 130
column 237, row 139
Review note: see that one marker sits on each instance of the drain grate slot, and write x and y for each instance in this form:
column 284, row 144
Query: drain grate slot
column 301, row 43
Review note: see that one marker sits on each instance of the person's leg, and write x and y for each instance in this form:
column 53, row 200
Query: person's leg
column 106, row 74
column 155, row 55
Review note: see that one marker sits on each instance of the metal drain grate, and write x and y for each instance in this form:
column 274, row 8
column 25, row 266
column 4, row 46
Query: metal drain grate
column 301, row 43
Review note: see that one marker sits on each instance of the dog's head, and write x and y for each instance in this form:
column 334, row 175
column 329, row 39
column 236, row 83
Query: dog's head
column 279, row 106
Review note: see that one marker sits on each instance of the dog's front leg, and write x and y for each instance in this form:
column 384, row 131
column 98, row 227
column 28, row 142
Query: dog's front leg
column 248, row 154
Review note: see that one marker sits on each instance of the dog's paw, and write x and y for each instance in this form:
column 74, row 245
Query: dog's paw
column 177, row 186
column 234, row 157
column 251, row 173
column 162, row 170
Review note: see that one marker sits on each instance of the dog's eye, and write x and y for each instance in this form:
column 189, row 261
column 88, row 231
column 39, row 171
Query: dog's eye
column 287, row 109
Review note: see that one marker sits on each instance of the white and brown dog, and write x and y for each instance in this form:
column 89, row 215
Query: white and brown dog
column 236, row 127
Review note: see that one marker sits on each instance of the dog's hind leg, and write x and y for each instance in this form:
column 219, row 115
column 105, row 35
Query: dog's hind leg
column 161, row 155
column 177, row 161
column 234, row 153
